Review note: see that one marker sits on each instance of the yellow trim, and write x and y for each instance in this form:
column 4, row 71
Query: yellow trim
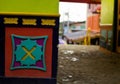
column 48, row 22
column 10, row 20
column 29, row 21
column 27, row 13
column 28, row 53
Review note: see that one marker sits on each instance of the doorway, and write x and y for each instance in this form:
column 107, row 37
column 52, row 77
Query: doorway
column 79, row 23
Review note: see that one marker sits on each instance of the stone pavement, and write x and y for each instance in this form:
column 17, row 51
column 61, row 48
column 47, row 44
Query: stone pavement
column 80, row 64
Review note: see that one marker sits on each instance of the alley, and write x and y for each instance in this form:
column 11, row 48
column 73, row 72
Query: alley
column 79, row 64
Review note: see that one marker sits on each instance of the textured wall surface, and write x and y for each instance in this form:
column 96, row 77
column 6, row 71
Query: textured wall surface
column 107, row 11
column 32, row 6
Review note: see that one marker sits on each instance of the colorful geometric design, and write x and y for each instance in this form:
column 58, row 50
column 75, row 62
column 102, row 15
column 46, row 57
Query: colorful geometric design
column 28, row 52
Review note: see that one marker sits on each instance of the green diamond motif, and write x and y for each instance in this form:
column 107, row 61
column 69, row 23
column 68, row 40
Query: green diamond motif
column 28, row 52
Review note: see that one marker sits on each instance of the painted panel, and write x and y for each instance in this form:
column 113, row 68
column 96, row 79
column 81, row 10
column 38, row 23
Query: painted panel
column 37, row 6
column 93, row 22
column 28, row 41
column 106, row 39
column 107, row 11
column 28, row 52
column 21, row 59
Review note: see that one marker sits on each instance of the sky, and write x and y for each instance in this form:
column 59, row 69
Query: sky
column 75, row 11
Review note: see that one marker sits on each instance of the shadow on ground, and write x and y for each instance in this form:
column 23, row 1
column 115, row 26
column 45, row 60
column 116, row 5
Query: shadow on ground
column 78, row 64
